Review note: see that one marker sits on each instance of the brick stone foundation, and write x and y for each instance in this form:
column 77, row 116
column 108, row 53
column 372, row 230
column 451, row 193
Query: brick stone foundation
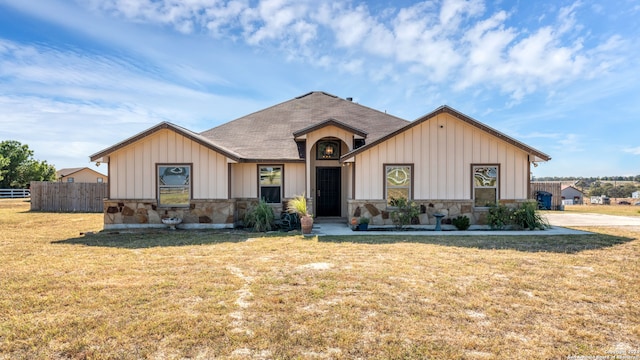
column 380, row 214
column 131, row 213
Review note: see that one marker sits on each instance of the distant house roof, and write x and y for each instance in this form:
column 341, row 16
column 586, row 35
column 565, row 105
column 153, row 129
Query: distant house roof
column 270, row 133
column 68, row 171
column 565, row 187
column 540, row 156
column 62, row 173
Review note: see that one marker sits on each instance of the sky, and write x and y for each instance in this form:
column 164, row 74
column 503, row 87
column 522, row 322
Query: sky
column 561, row 76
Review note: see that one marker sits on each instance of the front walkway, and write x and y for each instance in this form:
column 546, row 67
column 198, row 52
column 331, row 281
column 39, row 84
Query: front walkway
column 337, row 229
column 557, row 219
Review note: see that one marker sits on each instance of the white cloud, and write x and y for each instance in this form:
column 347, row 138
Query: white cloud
column 452, row 41
column 633, row 150
column 453, row 11
column 278, row 19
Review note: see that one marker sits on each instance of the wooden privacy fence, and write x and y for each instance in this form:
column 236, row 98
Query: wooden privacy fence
column 554, row 188
column 67, row 197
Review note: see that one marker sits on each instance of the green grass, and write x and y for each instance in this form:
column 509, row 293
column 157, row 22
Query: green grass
column 236, row 295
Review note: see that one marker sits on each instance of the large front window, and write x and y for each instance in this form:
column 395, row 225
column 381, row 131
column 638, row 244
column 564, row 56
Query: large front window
column 174, row 185
column 485, row 185
column 271, row 184
column 398, row 180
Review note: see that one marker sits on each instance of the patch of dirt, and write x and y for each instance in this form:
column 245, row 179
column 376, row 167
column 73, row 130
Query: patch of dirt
column 316, row 266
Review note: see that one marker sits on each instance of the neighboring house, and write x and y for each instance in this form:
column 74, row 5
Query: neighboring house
column 635, row 195
column 80, row 175
column 349, row 160
column 573, row 195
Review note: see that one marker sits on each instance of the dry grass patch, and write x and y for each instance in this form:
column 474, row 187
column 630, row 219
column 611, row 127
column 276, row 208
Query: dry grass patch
column 182, row 294
column 621, row 210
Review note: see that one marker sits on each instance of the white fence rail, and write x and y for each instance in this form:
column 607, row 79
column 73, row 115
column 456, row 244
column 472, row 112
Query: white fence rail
column 15, row 193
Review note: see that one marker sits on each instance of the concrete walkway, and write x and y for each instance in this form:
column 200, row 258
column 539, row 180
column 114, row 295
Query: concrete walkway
column 561, row 218
column 335, row 229
column 558, row 220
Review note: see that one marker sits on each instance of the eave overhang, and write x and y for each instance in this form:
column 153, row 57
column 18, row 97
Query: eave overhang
column 104, row 154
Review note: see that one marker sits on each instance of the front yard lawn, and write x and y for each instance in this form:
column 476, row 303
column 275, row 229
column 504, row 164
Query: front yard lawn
column 236, row 295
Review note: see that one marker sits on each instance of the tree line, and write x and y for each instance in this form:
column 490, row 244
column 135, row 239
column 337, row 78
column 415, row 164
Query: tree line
column 611, row 186
column 18, row 167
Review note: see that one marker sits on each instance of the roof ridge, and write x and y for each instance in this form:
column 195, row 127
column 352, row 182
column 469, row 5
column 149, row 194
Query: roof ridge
column 255, row 112
column 316, row 92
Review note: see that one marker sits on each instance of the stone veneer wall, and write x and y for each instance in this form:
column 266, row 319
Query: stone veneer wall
column 380, row 214
column 131, row 213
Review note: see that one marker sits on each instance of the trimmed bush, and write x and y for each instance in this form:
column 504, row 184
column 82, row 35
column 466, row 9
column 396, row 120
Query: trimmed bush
column 406, row 211
column 461, row 222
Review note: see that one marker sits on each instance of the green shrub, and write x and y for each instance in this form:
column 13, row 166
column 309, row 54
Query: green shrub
column 499, row 217
column 461, row 222
column 528, row 217
column 525, row 216
column 260, row 217
column 406, row 211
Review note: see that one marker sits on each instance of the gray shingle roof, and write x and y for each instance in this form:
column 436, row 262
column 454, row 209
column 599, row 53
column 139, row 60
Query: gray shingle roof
column 269, row 134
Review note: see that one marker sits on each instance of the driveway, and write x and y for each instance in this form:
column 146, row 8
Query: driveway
column 560, row 218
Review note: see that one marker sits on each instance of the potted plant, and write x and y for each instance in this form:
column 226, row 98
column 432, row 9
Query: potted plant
column 364, row 224
column 298, row 205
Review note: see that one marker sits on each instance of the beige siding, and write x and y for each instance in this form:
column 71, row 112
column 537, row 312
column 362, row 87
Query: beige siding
column 133, row 168
column 442, row 150
column 294, row 180
column 85, row 176
column 244, row 181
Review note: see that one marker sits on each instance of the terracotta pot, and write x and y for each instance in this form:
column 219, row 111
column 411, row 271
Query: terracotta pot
column 307, row 224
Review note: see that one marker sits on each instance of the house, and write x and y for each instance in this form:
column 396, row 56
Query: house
column 80, row 175
column 349, row 161
column 635, row 195
column 571, row 195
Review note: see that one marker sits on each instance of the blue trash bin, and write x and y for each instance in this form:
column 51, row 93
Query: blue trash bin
column 544, row 200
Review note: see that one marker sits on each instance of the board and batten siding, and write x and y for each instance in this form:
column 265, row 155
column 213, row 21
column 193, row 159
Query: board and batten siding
column 244, row 180
column 134, row 167
column 294, row 180
column 442, row 151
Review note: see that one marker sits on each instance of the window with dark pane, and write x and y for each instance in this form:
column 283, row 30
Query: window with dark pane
column 271, row 184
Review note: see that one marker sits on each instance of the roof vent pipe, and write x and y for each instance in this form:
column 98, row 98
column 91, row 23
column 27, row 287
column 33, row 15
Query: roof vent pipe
column 350, row 99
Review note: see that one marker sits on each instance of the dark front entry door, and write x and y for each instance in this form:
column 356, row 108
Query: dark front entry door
column 328, row 191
